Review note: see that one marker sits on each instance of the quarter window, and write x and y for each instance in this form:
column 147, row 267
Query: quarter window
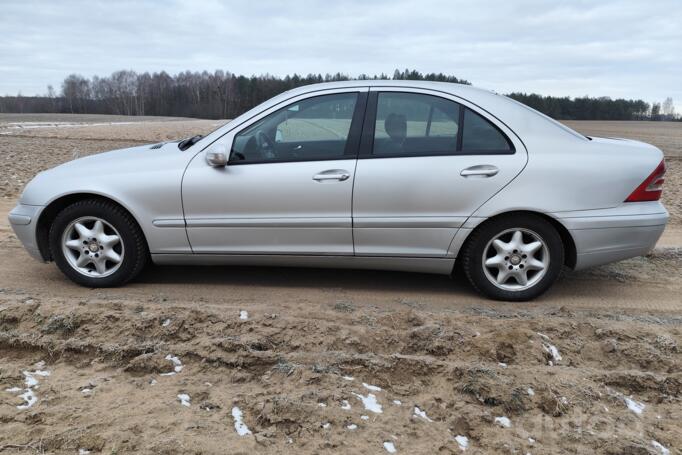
column 480, row 135
column 309, row 130
column 415, row 124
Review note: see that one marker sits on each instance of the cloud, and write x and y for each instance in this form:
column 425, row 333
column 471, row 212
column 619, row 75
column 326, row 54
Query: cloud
column 618, row 48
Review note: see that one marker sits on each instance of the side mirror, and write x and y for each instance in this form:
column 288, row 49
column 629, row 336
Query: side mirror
column 217, row 156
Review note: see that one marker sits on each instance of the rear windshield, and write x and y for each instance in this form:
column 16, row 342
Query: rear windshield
column 549, row 119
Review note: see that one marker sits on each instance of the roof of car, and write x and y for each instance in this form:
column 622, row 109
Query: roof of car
column 521, row 119
column 448, row 87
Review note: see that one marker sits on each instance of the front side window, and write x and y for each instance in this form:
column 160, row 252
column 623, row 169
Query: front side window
column 415, row 124
column 308, row 130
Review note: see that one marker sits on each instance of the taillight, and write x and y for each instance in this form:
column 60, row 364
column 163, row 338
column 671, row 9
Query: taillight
column 651, row 188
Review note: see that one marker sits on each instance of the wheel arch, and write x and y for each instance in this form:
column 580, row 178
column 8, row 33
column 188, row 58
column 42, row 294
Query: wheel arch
column 570, row 251
column 49, row 213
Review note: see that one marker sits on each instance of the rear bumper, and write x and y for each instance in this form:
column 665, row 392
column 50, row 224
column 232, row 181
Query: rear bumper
column 24, row 219
column 609, row 235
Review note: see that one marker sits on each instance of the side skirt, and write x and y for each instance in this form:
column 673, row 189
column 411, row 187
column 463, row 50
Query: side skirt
column 441, row 266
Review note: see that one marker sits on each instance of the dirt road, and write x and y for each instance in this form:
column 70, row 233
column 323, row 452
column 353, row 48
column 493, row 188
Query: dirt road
column 317, row 361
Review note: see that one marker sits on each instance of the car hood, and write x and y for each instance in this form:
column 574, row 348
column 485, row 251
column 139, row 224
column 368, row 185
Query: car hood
column 84, row 174
column 127, row 158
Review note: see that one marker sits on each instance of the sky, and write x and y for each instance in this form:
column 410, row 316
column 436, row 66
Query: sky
column 616, row 48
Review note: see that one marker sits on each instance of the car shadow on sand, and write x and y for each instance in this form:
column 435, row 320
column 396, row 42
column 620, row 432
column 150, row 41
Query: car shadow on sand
column 291, row 277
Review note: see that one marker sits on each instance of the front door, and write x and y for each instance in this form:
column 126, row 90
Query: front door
column 287, row 188
column 426, row 164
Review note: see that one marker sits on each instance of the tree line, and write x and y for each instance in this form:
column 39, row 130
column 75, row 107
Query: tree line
column 222, row 94
column 602, row 108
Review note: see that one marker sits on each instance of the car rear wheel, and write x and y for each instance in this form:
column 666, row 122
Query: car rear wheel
column 514, row 257
column 97, row 244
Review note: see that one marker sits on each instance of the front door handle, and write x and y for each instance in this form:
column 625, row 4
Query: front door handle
column 481, row 170
column 332, row 174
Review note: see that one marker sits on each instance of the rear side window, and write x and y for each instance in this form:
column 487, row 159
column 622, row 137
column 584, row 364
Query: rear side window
column 414, row 124
column 481, row 135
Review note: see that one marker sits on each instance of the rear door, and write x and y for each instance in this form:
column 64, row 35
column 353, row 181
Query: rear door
column 287, row 188
column 427, row 162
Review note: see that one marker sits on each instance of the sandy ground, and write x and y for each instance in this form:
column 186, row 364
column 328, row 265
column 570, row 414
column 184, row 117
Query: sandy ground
column 594, row 366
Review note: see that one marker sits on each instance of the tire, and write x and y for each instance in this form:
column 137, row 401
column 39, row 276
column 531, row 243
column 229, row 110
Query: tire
column 495, row 262
column 83, row 242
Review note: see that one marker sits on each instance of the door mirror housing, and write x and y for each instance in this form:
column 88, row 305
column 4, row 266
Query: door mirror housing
column 217, row 155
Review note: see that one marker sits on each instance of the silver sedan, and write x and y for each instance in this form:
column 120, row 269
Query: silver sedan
column 395, row 175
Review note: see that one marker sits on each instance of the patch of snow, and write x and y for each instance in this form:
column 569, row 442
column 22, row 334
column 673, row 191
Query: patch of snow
column 86, row 391
column 503, row 421
column 326, row 425
column 397, row 402
column 370, row 402
column 348, row 378
column 419, row 413
column 243, row 315
column 634, row 406
column 177, row 365
column 290, row 441
column 345, row 405
column 29, row 398
column 32, row 125
column 14, row 390
column 373, row 388
column 530, row 392
column 390, row 448
column 531, row 441
column 364, row 417
column 502, row 364
column 184, row 399
column 153, row 381
column 660, row 448
column 550, row 349
column 322, row 405
column 31, row 381
column 352, row 426
column 83, row 452
column 462, row 442
column 239, row 425
column 166, row 323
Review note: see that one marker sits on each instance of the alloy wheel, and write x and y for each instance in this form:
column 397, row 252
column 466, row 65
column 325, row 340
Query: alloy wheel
column 92, row 247
column 515, row 259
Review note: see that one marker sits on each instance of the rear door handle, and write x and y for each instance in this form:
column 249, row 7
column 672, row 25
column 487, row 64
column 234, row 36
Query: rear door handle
column 481, row 170
column 332, row 174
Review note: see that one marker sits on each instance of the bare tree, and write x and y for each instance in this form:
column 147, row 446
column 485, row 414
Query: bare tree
column 656, row 111
column 76, row 91
column 668, row 109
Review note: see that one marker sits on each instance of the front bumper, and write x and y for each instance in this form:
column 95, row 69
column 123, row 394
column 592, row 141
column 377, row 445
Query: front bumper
column 24, row 220
column 609, row 235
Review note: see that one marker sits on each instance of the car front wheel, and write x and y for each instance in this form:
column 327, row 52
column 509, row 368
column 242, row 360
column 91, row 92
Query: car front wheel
column 97, row 244
column 514, row 257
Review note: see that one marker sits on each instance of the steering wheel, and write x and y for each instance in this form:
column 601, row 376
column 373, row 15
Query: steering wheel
column 266, row 146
